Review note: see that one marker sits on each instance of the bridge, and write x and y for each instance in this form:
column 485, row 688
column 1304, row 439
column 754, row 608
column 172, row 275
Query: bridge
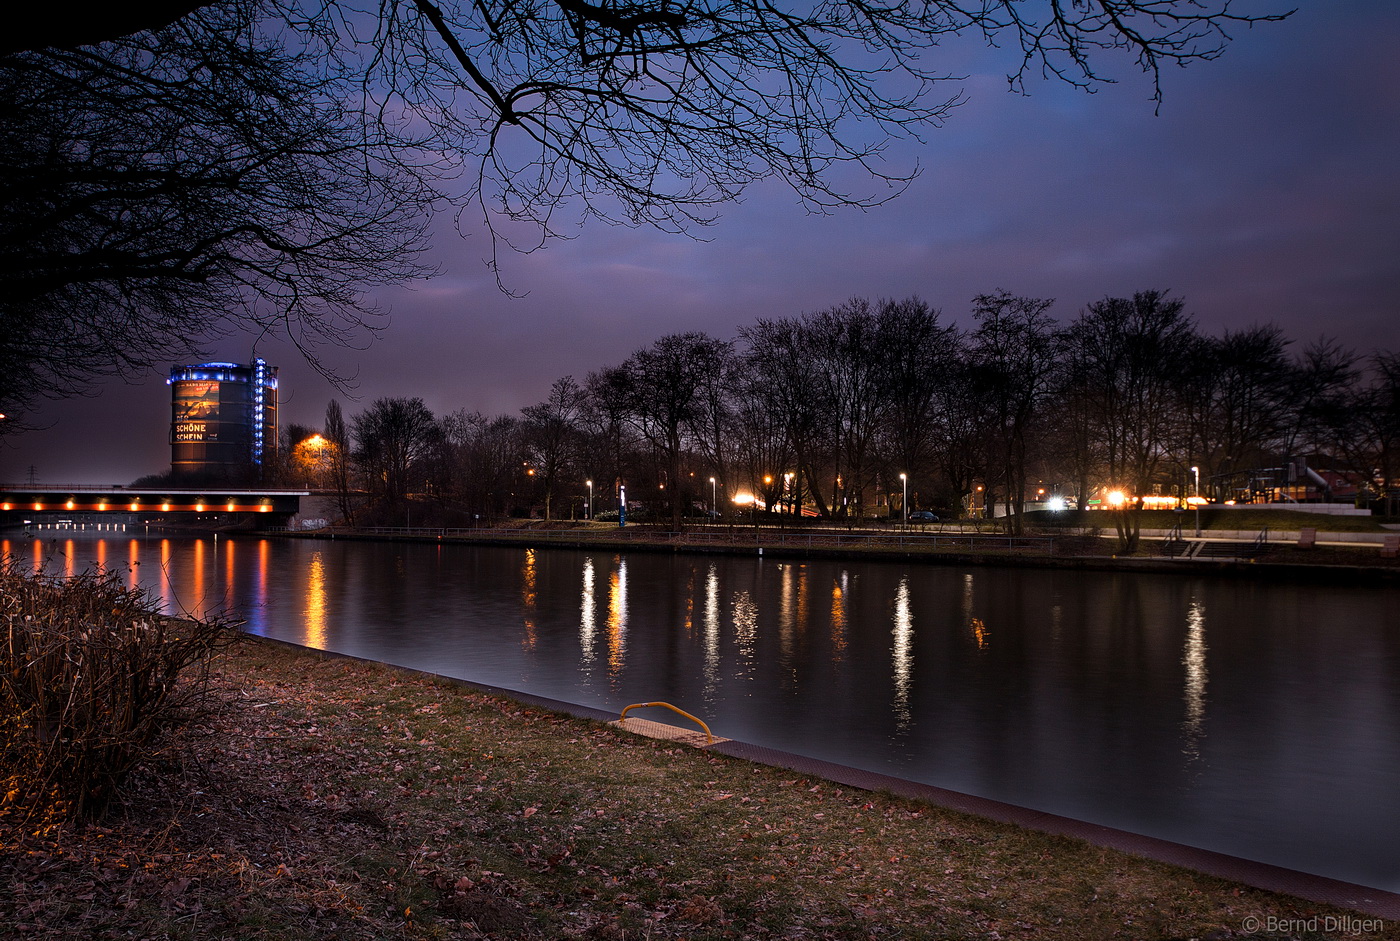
column 81, row 505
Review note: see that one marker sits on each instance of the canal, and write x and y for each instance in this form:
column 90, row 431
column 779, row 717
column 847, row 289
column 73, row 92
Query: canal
column 1260, row 719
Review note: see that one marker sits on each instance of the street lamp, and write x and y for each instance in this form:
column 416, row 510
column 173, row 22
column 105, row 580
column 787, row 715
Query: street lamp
column 590, row 498
column 904, row 500
column 714, row 500
column 1196, row 492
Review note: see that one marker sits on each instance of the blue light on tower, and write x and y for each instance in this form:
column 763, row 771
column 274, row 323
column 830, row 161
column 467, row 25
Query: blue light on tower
column 259, row 405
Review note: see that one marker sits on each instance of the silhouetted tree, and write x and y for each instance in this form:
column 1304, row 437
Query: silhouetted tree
column 1130, row 356
column 486, row 456
column 394, row 440
column 166, row 188
column 1367, row 432
column 1235, row 409
column 915, row 355
column 550, row 432
column 660, row 390
column 1319, row 396
column 654, row 112
column 338, row 459
column 173, row 169
column 715, row 431
column 843, row 343
column 1014, row 352
column 783, row 378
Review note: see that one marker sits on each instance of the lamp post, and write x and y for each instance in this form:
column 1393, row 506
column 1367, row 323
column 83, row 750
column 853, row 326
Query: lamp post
column 904, row 500
column 590, row 498
column 1196, row 492
column 714, row 500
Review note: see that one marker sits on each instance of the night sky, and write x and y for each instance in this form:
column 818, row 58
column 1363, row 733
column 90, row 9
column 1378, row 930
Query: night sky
column 1267, row 190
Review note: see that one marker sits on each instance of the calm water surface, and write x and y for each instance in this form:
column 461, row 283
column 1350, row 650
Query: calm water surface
column 1257, row 719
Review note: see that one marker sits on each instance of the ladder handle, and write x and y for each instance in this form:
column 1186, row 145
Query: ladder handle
column 709, row 736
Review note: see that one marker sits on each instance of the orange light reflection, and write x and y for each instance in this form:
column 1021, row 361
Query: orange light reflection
column 316, row 603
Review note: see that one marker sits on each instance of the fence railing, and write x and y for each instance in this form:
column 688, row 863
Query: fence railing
column 746, row 536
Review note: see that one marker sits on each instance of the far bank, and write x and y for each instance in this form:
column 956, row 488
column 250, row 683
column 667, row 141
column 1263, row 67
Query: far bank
column 1238, row 543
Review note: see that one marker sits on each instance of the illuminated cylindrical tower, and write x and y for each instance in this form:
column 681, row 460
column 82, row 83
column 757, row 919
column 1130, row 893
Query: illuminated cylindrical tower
column 223, row 419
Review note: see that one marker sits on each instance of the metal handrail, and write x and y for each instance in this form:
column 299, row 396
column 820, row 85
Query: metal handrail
column 709, row 736
column 770, row 537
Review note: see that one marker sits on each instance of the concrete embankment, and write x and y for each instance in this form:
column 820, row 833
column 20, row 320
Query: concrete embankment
column 1352, row 558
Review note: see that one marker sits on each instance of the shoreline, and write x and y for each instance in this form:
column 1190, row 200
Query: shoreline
column 1364, row 566
column 334, row 798
column 1259, row 875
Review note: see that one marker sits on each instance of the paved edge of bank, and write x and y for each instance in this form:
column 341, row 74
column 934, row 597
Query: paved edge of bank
column 1370, row 901
column 1351, row 575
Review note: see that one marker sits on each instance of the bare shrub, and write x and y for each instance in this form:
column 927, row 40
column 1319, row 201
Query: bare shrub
column 91, row 674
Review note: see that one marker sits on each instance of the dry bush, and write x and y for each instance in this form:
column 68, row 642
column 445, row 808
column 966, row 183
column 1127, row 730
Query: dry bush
column 90, row 676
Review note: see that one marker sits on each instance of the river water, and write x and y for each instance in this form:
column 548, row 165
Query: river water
column 1259, row 719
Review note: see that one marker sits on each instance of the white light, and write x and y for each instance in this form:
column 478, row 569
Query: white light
column 1056, row 503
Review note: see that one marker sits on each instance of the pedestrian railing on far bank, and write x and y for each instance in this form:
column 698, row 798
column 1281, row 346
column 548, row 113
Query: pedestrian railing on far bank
column 724, row 536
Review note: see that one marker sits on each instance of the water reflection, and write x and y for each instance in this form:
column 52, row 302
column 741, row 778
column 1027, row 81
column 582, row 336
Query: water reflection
column 792, row 615
column 839, row 589
column 316, row 601
column 903, row 655
column 979, row 633
column 167, row 593
column 230, row 558
column 264, row 571
column 199, row 595
column 744, row 613
column 617, row 617
column 1274, row 735
column 528, row 598
column 712, row 631
column 587, row 605
column 1194, row 659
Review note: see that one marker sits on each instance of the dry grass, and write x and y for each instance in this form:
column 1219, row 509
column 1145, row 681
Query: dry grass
column 335, row 799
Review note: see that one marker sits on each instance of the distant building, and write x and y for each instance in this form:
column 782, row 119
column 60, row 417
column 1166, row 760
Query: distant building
column 223, row 422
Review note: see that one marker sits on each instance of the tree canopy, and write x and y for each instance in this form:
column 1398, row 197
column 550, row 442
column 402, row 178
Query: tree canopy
column 656, row 112
column 162, row 189
column 171, row 169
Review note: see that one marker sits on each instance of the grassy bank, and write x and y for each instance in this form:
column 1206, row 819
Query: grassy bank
column 334, row 799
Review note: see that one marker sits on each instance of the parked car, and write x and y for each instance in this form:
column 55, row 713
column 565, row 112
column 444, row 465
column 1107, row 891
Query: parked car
column 923, row 516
